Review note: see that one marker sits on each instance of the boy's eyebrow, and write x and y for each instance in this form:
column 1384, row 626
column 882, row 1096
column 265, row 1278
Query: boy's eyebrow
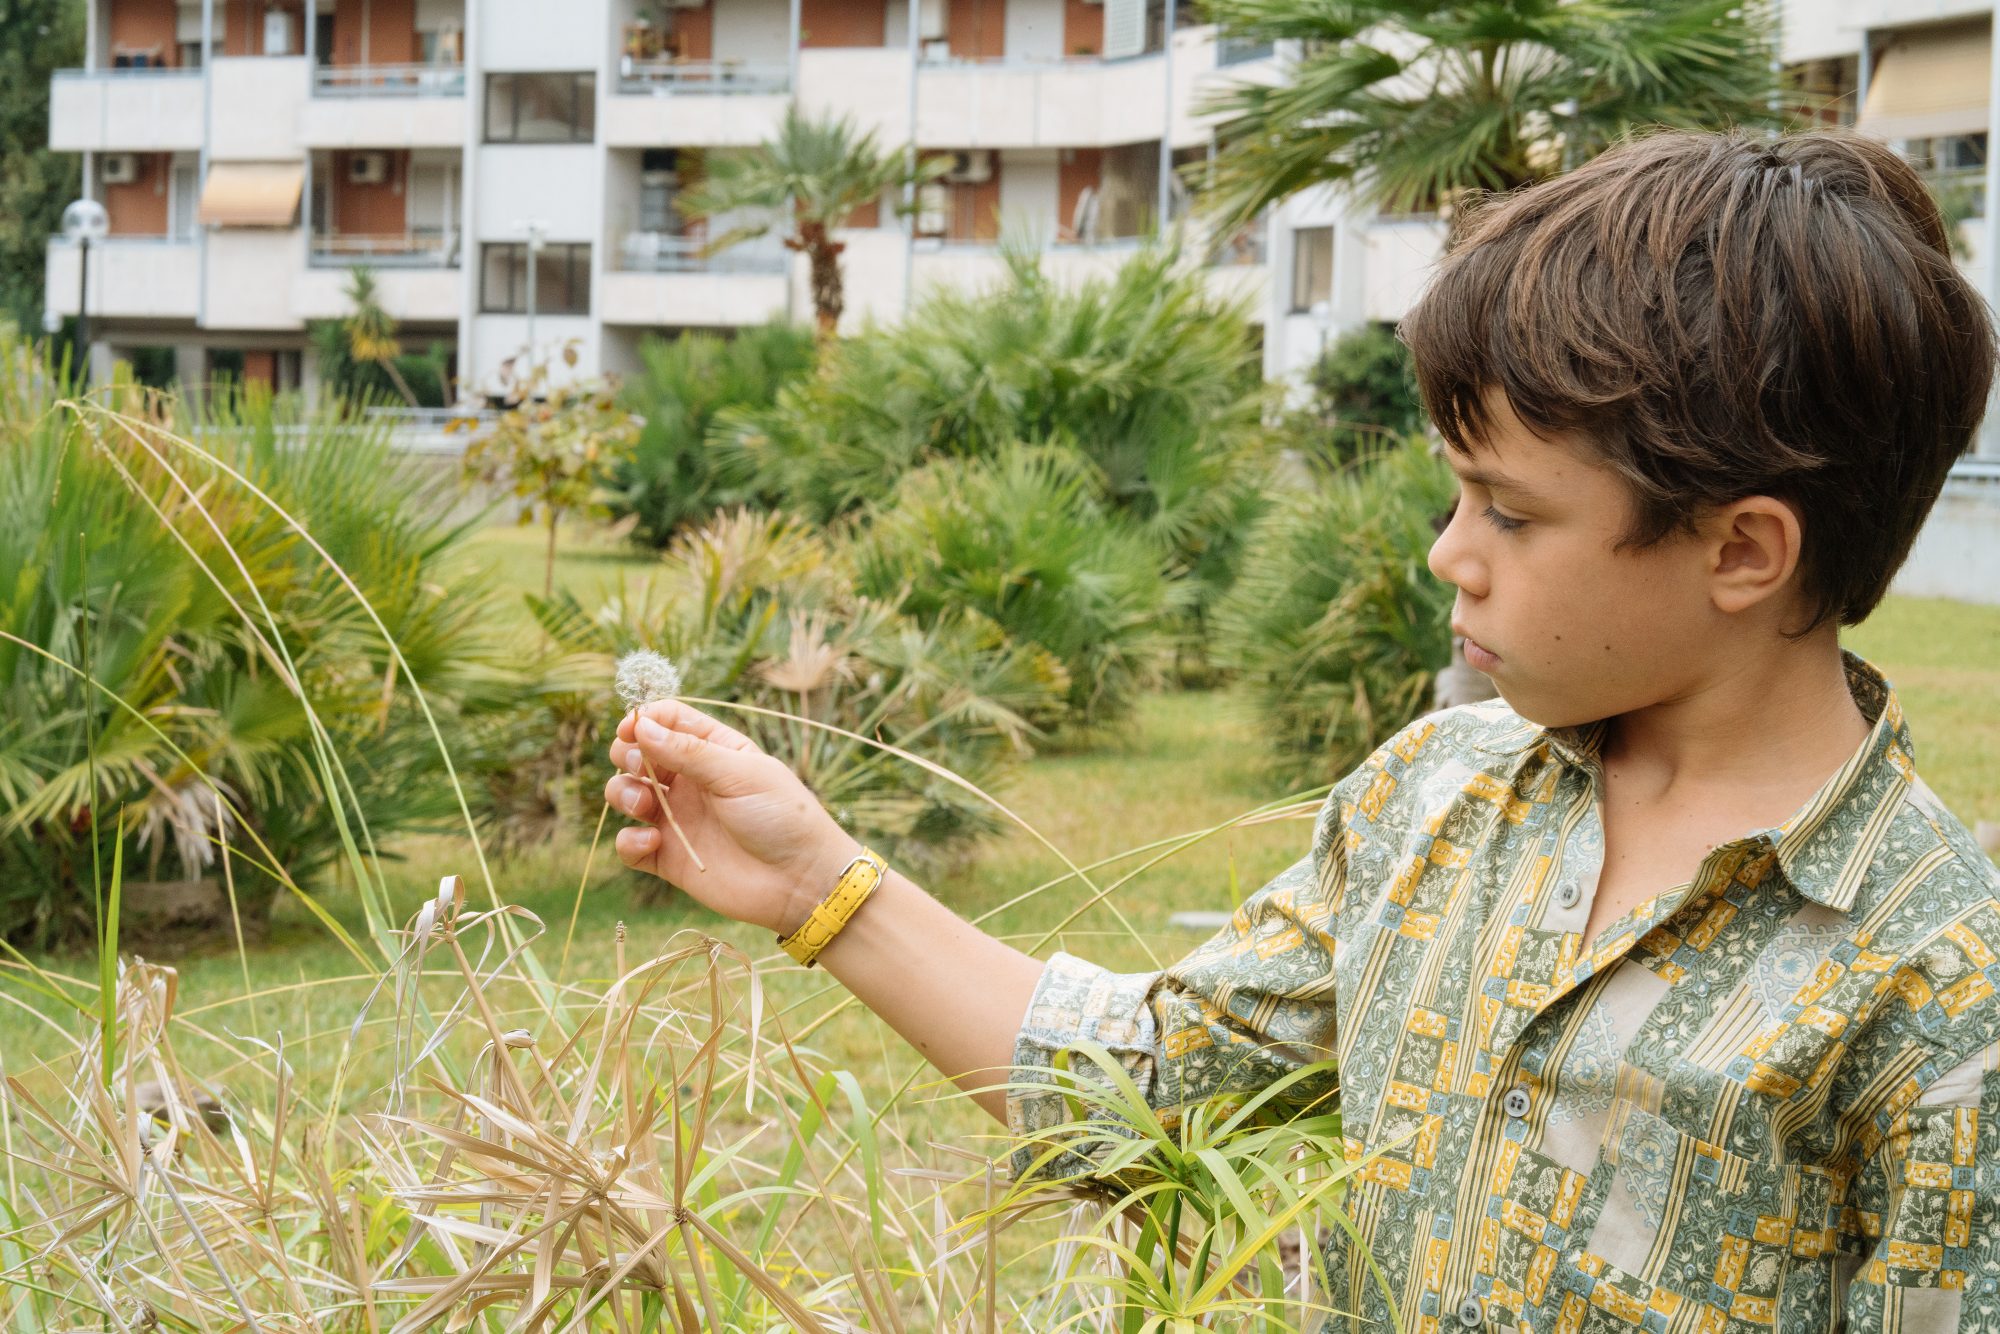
column 1494, row 481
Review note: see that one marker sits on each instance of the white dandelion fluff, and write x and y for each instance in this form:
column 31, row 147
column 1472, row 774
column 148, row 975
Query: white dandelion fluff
column 645, row 676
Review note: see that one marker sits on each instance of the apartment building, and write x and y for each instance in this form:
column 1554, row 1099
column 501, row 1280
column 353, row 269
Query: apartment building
column 251, row 153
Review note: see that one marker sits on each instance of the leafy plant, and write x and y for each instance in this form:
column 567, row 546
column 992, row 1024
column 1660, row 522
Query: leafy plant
column 173, row 648
column 1337, row 621
column 1361, row 397
column 1143, row 374
column 671, row 479
column 1022, row 539
column 1410, row 106
column 758, row 611
column 814, row 172
column 556, row 446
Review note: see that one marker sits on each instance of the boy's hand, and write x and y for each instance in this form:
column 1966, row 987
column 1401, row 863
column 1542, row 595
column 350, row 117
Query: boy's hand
column 771, row 849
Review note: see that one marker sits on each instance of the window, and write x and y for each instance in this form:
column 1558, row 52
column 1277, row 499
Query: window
column 659, row 181
column 1955, row 166
column 1312, row 267
column 562, row 278
column 541, row 108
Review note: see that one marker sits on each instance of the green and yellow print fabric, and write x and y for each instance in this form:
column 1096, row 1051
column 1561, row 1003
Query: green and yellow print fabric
column 1765, row 1099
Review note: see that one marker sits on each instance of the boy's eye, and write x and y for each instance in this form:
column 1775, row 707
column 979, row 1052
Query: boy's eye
column 1504, row 522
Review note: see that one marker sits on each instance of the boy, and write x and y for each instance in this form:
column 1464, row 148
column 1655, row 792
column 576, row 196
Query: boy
column 1666, row 989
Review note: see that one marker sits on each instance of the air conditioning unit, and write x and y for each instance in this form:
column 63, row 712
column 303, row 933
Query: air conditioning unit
column 971, row 167
column 367, row 168
column 119, row 168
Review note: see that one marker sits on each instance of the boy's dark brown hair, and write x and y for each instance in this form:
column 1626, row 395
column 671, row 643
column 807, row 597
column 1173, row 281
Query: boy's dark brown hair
column 1723, row 316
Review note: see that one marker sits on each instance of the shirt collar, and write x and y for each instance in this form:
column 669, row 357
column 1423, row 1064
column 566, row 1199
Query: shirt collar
column 1816, row 846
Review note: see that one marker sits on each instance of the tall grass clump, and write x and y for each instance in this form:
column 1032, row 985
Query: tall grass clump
column 175, row 654
column 1337, row 621
column 671, row 481
column 762, row 611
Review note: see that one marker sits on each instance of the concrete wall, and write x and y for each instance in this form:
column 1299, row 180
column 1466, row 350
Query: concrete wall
column 870, row 85
column 700, row 300
column 132, row 279
column 382, row 122
column 256, row 101
column 519, row 34
column 412, row 296
column 125, row 112
column 757, row 31
column 643, row 120
column 251, row 274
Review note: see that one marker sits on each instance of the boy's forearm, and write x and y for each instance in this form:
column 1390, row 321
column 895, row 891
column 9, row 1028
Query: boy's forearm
column 955, row 993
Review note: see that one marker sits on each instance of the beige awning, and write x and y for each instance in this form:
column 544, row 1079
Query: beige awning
column 252, row 194
column 1930, row 81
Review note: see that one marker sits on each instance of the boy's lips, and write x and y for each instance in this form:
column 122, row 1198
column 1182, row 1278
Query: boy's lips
column 1477, row 655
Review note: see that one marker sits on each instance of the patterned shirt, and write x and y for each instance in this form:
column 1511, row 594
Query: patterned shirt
column 1769, row 1097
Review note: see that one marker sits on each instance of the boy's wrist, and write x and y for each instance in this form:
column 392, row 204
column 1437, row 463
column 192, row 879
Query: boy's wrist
column 822, row 873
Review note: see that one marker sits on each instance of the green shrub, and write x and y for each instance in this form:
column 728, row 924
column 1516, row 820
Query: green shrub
column 1337, row 621
column 1362, row 396
column 1143, row 373
column 427, row 373
column 1022, row 538
column 671, row 480
column 757, row 610
column 194, row 605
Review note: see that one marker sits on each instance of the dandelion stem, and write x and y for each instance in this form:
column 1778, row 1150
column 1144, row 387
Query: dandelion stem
column 660, row 795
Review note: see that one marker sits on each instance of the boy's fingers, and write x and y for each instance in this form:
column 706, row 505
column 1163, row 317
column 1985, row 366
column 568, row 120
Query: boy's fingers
column 639, row 848
column 633, row 796
column 678, row 717
column 678, row 752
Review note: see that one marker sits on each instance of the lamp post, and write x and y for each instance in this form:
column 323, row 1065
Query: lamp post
column 84, row 221
column 538, row 234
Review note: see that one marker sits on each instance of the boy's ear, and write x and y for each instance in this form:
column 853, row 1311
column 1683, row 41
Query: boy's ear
column 1753, row 548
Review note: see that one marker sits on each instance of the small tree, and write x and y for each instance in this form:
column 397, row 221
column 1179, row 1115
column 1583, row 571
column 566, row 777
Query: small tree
column 554, row 447
column 820, row 170
column 370, row 331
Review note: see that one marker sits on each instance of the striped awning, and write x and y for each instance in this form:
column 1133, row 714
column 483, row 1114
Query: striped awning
column 1930, row 81
column 252, row 194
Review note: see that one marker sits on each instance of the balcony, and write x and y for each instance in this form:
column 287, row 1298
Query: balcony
column 137, row 110
column 421, row 248
column 662, row 279
column 1030, row 103
column 131, row 277
column 385, row 106
column 389, row 81
column 414, row 292
column 706, row 102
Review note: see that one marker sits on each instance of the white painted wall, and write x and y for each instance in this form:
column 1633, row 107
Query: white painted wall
column 135, row 113
column 557, row 183
column 382, row 122
column 753, row 30
column 498, row 337
column 642, row 120
column 255, row 106
column 412, row 296
column 129, row 278
column 1957, row 555
column 540, row 35
column 1812, row 29
column 702, row 300
column 251, row 274
column 870, row 84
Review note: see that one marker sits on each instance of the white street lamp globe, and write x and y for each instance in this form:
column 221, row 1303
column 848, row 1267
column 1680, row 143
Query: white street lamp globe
column 51, row 322
column 86, row 220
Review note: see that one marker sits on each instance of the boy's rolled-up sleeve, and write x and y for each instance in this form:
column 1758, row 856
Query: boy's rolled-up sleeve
column 1248, row 1006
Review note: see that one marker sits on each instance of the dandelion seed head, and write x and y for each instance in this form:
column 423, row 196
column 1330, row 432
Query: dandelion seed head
column 645, row 676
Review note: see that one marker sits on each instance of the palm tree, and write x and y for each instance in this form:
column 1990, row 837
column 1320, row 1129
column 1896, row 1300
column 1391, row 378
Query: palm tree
column 1409, row 103
column 370, row 331
column 816, row 171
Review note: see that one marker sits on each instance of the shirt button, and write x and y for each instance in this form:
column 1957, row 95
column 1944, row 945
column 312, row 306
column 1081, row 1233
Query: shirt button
column 1469, row 1313
column 1568, row 894
column 1516, row 1103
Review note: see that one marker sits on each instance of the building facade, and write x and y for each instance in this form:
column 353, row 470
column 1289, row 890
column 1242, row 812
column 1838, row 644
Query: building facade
column 251, row 153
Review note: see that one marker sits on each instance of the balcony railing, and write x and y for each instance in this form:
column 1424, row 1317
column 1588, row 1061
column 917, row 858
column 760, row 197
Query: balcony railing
column 419, row 249
column 132, row 72
column 660, row 252
column 389, row 81
column 665, row 77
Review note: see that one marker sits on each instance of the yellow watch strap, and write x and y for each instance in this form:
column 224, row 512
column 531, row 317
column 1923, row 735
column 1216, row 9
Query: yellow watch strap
column 856, row 883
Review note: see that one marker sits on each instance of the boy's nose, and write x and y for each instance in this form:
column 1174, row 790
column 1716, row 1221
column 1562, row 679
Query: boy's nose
column 1451, row 558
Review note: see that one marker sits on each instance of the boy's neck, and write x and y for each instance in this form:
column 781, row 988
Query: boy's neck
column 1777, row 722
